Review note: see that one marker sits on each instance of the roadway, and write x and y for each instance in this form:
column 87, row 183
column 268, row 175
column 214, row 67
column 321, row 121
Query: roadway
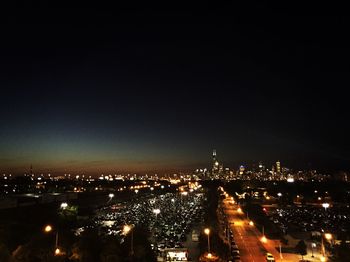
column 247, row 238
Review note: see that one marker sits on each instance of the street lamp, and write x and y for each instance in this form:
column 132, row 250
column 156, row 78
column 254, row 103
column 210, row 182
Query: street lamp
column 207, row 232
column 48, row 229
column 156, row 211
column 328, row 236
column 263, row 238
column 126, row 230
column 313, row 245
column 280, row 246
column 111, row 195
column 64, row 205
column 57, row 252
column 325, row 206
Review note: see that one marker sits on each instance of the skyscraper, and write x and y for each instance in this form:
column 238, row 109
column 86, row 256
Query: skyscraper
column 278, row 167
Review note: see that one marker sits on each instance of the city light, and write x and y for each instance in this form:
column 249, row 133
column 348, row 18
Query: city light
column 263, row 239
column 64, row 205
column 57, row 252
column 126, row 229
column 207, row 232
column 325, row 205
column 328, row 236
column 48, row 228
column 323, row 259
column 111, row 195
column 251, row 223
column 239, row 210
column 156, row 211
column 290, row 180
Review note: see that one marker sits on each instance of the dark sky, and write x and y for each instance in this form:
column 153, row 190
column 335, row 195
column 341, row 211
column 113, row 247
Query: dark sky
column 156, row 88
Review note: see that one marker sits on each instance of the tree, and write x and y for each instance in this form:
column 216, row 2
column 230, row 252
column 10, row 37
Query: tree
column 301, row 248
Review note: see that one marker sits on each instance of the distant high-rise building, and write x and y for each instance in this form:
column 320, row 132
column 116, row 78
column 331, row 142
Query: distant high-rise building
column 215, row 162
column 278, row 167
column 241, row 170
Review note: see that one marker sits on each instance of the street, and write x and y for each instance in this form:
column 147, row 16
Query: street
column 247, row 237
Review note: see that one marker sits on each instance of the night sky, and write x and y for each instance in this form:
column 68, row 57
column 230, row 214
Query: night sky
column 156, row 88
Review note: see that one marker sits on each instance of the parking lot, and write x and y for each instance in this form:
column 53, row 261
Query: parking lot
column 311, row 219
column 170, row 218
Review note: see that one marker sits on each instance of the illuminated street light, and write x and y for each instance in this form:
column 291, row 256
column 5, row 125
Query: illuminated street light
column 239, row 210
column 328, row 236
column 207, row 232
column 111, row 195
column 156, row 211
column 126, row 230
column 64, row 205
column 325, row 205
column 48, row 228
column 279, row 194
column 251, row 223
column 313, row 245
column 57, row 252
column 263, row 238
column 209, row 255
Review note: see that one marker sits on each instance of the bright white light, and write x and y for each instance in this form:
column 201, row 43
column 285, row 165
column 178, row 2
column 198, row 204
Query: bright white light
column 111, row 195
column 126, row 229
column 290, row 180
column 328, row 236
column 57, row 251
column 156, row 211
column 64, row 205
column 279, row 194
column 325, row 205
